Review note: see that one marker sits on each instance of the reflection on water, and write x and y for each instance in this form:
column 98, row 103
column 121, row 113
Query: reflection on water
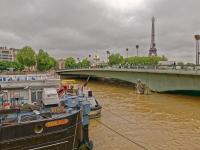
column 157, row 121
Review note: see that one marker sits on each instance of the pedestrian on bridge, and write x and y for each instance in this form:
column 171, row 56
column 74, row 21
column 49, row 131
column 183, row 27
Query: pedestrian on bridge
column 174, row 65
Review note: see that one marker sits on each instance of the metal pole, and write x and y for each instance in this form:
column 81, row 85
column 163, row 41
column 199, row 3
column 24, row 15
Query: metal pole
column 127, row 52
column 197, row 52
column 197, row 38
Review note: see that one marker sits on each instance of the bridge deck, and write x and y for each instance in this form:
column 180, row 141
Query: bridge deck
column 157, row 79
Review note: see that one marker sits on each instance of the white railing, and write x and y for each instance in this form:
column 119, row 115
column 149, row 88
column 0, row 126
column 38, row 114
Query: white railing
column 30, row 77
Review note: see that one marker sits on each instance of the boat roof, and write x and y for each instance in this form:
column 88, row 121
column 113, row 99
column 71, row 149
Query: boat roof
column 30, row 84
column 17, row 114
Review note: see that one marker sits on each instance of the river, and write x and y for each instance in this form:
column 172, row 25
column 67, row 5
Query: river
column 156, row 122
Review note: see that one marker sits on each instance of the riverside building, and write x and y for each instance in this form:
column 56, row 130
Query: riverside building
column 8, row 54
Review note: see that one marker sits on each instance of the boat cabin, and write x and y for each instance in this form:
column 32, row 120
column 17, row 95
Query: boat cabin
column 26, row 91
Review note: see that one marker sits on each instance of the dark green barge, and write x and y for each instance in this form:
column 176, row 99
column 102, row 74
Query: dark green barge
column 43, row 130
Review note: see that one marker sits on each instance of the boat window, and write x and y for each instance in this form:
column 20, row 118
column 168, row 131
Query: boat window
column 39, row 95
column 36, row 95
column 33, row 96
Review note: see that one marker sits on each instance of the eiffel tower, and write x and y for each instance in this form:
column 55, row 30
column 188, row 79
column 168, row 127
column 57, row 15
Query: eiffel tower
column 153, row 50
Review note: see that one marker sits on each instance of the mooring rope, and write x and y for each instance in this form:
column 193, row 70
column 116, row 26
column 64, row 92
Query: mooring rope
column 75, row 130
column 119, row 116
column 123, row 136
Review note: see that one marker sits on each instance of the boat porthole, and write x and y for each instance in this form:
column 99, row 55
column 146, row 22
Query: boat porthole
column 38, row 129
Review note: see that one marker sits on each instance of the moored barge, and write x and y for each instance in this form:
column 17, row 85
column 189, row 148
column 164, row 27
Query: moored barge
column 59, row 126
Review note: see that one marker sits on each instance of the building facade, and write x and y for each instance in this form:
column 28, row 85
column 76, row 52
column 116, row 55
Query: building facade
column 61, row 64
column 8, row 54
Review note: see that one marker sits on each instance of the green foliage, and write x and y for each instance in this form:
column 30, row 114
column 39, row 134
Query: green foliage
column 143, row 60
column 115, row 59
column 6, row 65
column 53, row 63
column 84, row 63
column 3, row 65
column 44, row 61
column 16, row 66
column 70, row 62
column 190, row 64
column 180, row 63
column 26, row 56
column 164, row 58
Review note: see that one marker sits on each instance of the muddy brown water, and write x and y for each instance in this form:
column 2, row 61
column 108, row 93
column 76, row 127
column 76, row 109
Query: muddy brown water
column 155, row 122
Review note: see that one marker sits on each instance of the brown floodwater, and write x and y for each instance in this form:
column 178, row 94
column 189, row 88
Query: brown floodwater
column 156, row 121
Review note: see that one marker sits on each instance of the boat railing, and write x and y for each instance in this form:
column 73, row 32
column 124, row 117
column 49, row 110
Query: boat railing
column 33, row 77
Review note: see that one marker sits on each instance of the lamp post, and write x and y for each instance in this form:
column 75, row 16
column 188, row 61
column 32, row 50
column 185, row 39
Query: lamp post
column 108, row 54
column 137, row 47
column 78, row 59
column 197, row 38
column 127, row 52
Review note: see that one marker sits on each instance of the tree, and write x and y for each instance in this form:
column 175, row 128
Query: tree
column 115, row 59
column 6, row 65
column 15, row 65
column 27, row 56
column 70, row 62
column 180, row 63
column 84, row 63
column 43, row 61
column 53, row 64
column 164, row 58
column 190, row 64
column 144, row 60
column 3, row 65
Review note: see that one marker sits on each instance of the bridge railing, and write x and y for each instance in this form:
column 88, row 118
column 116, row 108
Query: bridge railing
column 145, row 67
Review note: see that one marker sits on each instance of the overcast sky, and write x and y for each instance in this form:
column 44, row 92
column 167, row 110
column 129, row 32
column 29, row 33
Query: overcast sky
column 80, row 27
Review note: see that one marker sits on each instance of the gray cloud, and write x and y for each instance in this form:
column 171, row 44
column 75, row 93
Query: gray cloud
column 80, row 27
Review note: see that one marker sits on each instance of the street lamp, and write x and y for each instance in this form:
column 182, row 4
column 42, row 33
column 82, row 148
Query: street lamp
column 78, row 59
column 137, row 47
column 197, row 38
column 108, row 54
column 127, row 52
